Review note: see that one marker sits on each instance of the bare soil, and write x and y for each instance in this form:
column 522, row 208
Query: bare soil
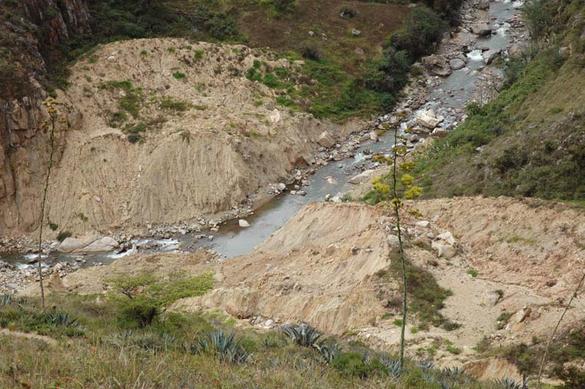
column 206, row 139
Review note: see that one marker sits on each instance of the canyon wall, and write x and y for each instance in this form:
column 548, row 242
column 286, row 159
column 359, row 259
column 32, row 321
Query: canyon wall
column 31, row 31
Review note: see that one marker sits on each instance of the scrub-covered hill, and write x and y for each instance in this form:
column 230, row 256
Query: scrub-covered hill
column 530, row 141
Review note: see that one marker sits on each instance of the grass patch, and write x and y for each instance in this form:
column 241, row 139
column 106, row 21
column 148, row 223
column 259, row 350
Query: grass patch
column 426, row 297
column 473, row 273
column 96, row 349
column 175, row 105
column 179, row 76
column 131, row 101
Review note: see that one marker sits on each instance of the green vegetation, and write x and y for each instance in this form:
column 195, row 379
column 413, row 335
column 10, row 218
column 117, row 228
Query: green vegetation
column 140, row 299
column 503, row 320
column 529, row 141
column 426, row 297
column 63, row 235
column 169, row 103
column 179, row 75
column 344, row 76
column 130, row 103
column 96, row 346
column 569, row 346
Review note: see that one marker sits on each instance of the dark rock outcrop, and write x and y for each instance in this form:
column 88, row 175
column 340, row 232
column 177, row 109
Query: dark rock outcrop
column 30, row 34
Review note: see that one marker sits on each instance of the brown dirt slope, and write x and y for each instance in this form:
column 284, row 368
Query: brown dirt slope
column 206, row 138
column 323, row 268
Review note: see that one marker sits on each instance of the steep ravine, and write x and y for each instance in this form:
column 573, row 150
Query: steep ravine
column 465, row 55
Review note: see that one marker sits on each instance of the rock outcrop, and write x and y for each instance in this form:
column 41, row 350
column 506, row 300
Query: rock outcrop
column 24, row 137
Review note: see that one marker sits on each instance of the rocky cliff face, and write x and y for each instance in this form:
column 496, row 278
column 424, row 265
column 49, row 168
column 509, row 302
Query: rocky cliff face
column 31, row 31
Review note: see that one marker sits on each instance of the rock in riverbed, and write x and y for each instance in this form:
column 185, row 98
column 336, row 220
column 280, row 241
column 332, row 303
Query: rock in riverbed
column 326, row 139
column 428, row 119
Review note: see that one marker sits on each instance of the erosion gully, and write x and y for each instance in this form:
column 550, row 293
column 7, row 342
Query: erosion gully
column 448, row 95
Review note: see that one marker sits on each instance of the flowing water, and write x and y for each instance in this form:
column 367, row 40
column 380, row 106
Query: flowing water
column 453, row 92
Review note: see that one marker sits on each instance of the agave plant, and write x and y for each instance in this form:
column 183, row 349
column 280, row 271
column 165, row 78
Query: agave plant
column 302, row 334
column 5, row 299
column 392, row 366
column 224, row 346
column 508, row 383
column 426, row 365
column 328, row 351
column 61, row 319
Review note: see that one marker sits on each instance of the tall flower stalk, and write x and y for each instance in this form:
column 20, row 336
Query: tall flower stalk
column 50, row 104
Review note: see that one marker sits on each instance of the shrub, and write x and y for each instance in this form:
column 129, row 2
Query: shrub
column 221, row 26
column 329, row 351
column 199, row 53
column 508, row 383
column 390, row 73
column 170, row 104
column 134, row 138
column 138, row 311
column 311, row 53
column 423, row 27
column 282, row 6
column 539, row 16
column 62, row 319
column 61, row 236
column 179, row 75
column 348, row 13
column 5, row 299
column 355, row 364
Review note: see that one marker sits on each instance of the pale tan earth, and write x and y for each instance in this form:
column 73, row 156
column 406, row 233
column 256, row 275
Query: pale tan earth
column 25, row 335
column 231, row 142
column 321, row 268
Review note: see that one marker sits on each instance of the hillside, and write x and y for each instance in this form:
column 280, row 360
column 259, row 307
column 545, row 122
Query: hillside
column 55, row 57
column 530, row 140
column 292, row 194
column 473, row 304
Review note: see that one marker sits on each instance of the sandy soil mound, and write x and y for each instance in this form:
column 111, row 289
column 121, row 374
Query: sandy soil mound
column 530, row 243
column 171, row 131
column 318, row 268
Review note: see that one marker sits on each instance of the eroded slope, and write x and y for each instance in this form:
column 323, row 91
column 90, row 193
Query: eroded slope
column 173, row 130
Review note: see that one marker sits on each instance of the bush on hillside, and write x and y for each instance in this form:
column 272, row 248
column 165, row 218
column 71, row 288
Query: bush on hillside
column 539, row 16
column 421, row 30
column 284, row 5
column 417, row 38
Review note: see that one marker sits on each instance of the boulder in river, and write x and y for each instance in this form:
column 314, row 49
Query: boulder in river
column 489, row 56
column 362, row 177
column 243, row 223
column 481, row 29
column 457, row 63
column 71, row 244
column 101, row 245
column 437, row 65
column 428, row 119
column 88, row 244
column 326, row 139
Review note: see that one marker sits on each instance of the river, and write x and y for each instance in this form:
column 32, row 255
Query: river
column 446, row 96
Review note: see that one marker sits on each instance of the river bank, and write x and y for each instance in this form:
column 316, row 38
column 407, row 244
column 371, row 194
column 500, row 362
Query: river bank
column 465, row 68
